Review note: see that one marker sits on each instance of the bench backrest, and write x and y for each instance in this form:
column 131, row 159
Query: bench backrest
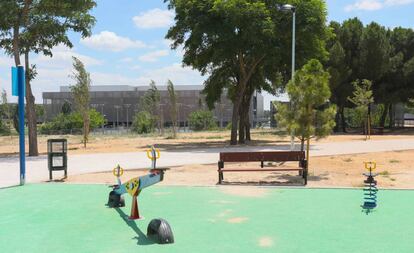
column 271, row 156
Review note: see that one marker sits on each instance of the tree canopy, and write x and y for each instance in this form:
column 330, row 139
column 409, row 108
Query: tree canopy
column 38, row 26
column 233, row 40
column 381, row 55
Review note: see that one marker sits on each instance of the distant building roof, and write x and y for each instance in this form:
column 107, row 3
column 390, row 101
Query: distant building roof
column 106, row 88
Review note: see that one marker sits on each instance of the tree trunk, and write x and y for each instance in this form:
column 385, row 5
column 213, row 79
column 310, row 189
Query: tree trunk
column 391, row 116
column 337, row 121
column 247, row 125
column 343, row 119
column 30, row 110
column 384, row 115
column 242, row 115
column 234, row 121
column 16, row 46
column 307, row 153
column 86, row 128
column 302, row 144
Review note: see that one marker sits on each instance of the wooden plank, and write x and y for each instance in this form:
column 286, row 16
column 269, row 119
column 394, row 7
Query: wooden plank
column 273, row 156
column 257, row 170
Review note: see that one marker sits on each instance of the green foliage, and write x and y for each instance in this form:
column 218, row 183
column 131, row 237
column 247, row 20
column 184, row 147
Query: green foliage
column 375, row 52
column 43, row 24
column 4, row 128
column 202, row 120
column 37, row 27
column 143, row 123
column 81, row 96
column 40, row 111
column 384, row 56
column 311, row 115
column 362, row 98
column 66, row 107
column 228, row 127
column 238, row 40
column 151, row 100
column 71, row 123
column 5, row 114
column 356, row 119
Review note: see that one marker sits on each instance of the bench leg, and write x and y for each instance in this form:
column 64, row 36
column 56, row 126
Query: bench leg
column 50, row 175
column 220, row 177
column 262, row 164
column 305, row 177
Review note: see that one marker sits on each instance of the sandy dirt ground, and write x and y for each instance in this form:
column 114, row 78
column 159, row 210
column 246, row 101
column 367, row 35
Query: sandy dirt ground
column 395, row 171
column 185, row 141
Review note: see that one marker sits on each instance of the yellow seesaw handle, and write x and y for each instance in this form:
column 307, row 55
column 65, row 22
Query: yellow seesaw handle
column 149, row 155
column 370, row 165
column 118, row 171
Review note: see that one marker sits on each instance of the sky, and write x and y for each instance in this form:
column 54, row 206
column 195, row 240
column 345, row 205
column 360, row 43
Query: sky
column 128, row 45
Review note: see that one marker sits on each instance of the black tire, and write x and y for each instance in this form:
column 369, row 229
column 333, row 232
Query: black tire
column 115, row 200
column 160, row 231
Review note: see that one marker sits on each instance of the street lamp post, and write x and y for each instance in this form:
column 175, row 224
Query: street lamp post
column 287, row 8
column 127, row 109
column 117, row 115
column 102, row 113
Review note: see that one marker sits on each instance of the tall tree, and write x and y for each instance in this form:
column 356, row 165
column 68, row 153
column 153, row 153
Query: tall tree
column 4, row 113
column 396, row 85
column 38, row 26
column 311, row 115
column 239, row 36
column 80, row 92
column 344, row 63
column 375, row 60
column 173, row 106
column 151, row 103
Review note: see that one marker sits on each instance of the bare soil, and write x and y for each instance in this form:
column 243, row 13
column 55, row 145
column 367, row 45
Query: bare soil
column 184, row 141
column 395, row 171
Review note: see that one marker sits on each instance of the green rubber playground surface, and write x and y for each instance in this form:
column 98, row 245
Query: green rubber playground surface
column 73, row 218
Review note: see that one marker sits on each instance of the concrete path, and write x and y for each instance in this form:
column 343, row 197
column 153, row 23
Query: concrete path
column 81, row 164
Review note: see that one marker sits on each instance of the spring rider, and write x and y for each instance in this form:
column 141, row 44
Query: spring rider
column 370, row 189
column 158, row 229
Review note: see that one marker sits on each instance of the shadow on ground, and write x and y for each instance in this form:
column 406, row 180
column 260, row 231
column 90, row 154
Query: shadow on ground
column 141, row 237
column 279, row 180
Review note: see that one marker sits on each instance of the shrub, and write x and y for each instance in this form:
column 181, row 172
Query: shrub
column 71, row 123
column 202, row 120
column 4, row 129
column 144, row 123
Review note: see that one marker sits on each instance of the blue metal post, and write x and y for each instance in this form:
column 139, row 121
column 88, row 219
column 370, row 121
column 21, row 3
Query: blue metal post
column 21, row 92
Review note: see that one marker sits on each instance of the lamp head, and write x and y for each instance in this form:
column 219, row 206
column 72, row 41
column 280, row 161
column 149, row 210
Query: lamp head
column 287, row 7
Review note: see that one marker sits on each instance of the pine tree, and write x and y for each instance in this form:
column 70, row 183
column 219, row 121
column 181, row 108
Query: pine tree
column 310, row 114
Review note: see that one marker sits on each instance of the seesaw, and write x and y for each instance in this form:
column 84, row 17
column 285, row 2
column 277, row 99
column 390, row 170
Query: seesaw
column 158, row 229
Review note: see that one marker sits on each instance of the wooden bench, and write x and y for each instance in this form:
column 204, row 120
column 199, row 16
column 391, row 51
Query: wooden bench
column 271, row 156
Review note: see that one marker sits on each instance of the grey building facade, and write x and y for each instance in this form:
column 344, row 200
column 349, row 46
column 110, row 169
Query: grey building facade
column 119, row 104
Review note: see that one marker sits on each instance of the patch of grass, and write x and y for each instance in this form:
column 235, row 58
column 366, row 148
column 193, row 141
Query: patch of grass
column 347, row 160
column 393, row 179
column 394, row 161
column 384, row 173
